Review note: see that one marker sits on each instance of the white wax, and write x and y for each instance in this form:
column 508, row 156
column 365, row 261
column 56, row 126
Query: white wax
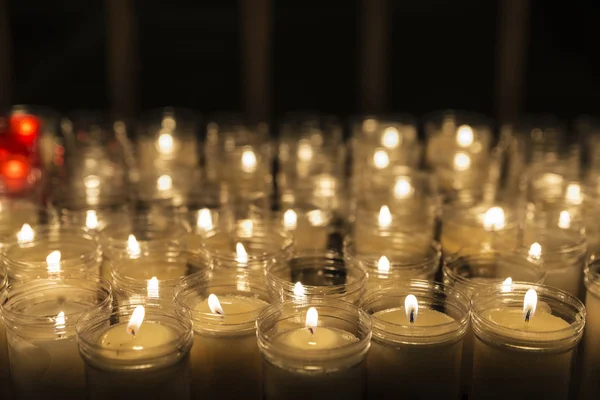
column 233, row 306
column 321, row 338
column 512, row 318
column 143, row 344
column 590, row 385
column 424, row 317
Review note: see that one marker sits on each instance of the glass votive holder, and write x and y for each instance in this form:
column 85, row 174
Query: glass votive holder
column 149, row 277
column 16, row 212
column 525, row 341
column 250, row 245
column 314, row 349
column 316, row 274
column 418, row 330
column 590, row 389
column 140, row 234
column 402, row 258
column 224, row 305
column 309, row 222
column 136, row 350
column 45, row 251
column 40, row 317
column 4, row 364
column 484, row 225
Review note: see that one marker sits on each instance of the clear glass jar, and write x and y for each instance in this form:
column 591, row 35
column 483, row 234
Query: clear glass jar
column 79, row 252
column 316, row 274
column 40, row 317
column 404, row 355
column 518, row 359
column 405, row 258
column 251, row 245
column 334, row 367
column 152, row 276
column 225, row 358
column 590, row 369
column 160, row 369
column 4, row 364
column 311, row 223
column 15, row 212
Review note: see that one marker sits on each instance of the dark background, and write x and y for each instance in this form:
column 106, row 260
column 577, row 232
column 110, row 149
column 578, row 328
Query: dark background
column 443, row 54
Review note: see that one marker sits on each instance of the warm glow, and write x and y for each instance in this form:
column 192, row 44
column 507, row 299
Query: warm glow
column 299, row 292
column 248, row 161
column 494, row 219
column 152, row 288
column 215, row 305
column 26, row 234
column 305, row 151
column 91, row 219
column 385, row 217
column 564, row 220
column 290, row 219
column 59, row 321
column 411, row 308
column 325, row 186
column 91, row 182
column 241, row 254
column 383, row 265
column 390, row 138
column 16, row 168
column 464, row 136
column 381, row 159
column 507, row 285
column 135, row 322
column 53, row 262
column 245, row 228
column 312, row 319
column 462, row 162
column 204, row 220
column 165, row 143
column 315, row 217
column 573, row 194
column 164, row 183
column 529, row 304
column 133, row 247
column 25, row 125
column 369, row 125
column 403, row 189
column 535, row 251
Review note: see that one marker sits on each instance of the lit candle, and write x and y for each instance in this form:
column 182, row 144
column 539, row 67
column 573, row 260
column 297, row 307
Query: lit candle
column 310, row 228
column 224, row 305
column 525, row 341
column 413, row 342
column 4, row 364
column 590, row 371
column 314, row 350
column 141, row 350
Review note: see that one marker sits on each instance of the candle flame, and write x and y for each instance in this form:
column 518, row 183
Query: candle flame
column 290, row 219
column 315, row 217
column 245, row 228
column 215, row 305
column 381, row 159
column 91, row 182
column 204, row 220
column 248, row 161
column 26, row 234
column 385, row 217
column 135, row 322
column 305, row 151
column 403, row 189
column 241, row 254
column 529, row 304
column 299, row 292
column 59, row 321
column 312, row 319
column 507, row 285
column 411, row 308
column 564, row 220
column 164, row 183
column 573, row 194
column 462, row 162
column 535, row 251
column 91, row 219
column 53, row 262
column 133, row 247
column 383, row 265
column 390, row 138
column 464, row 136
column 165, row 143
column 494, row 219
column 152, row 288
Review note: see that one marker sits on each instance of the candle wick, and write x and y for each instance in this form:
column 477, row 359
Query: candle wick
column 411, row 317
column 131, row 331
column 528, row 315
column 310, row 329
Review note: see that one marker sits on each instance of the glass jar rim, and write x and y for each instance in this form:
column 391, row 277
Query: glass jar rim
column 124, row 281
column 116, row 235
column 524, row 338
column 592, row 274
column 421, row 289
column 96, row 317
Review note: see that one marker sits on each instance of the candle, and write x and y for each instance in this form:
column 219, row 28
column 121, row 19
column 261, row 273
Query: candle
column 314, row 350
column 40, row 318
column 4, row 364
column 310, row 227
column 525, row 340
column 15, row 214
column 26, row 257
column 224, row 305
column 141, row 350
column 418, row 330
column 590, row 371
column 322, row 274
